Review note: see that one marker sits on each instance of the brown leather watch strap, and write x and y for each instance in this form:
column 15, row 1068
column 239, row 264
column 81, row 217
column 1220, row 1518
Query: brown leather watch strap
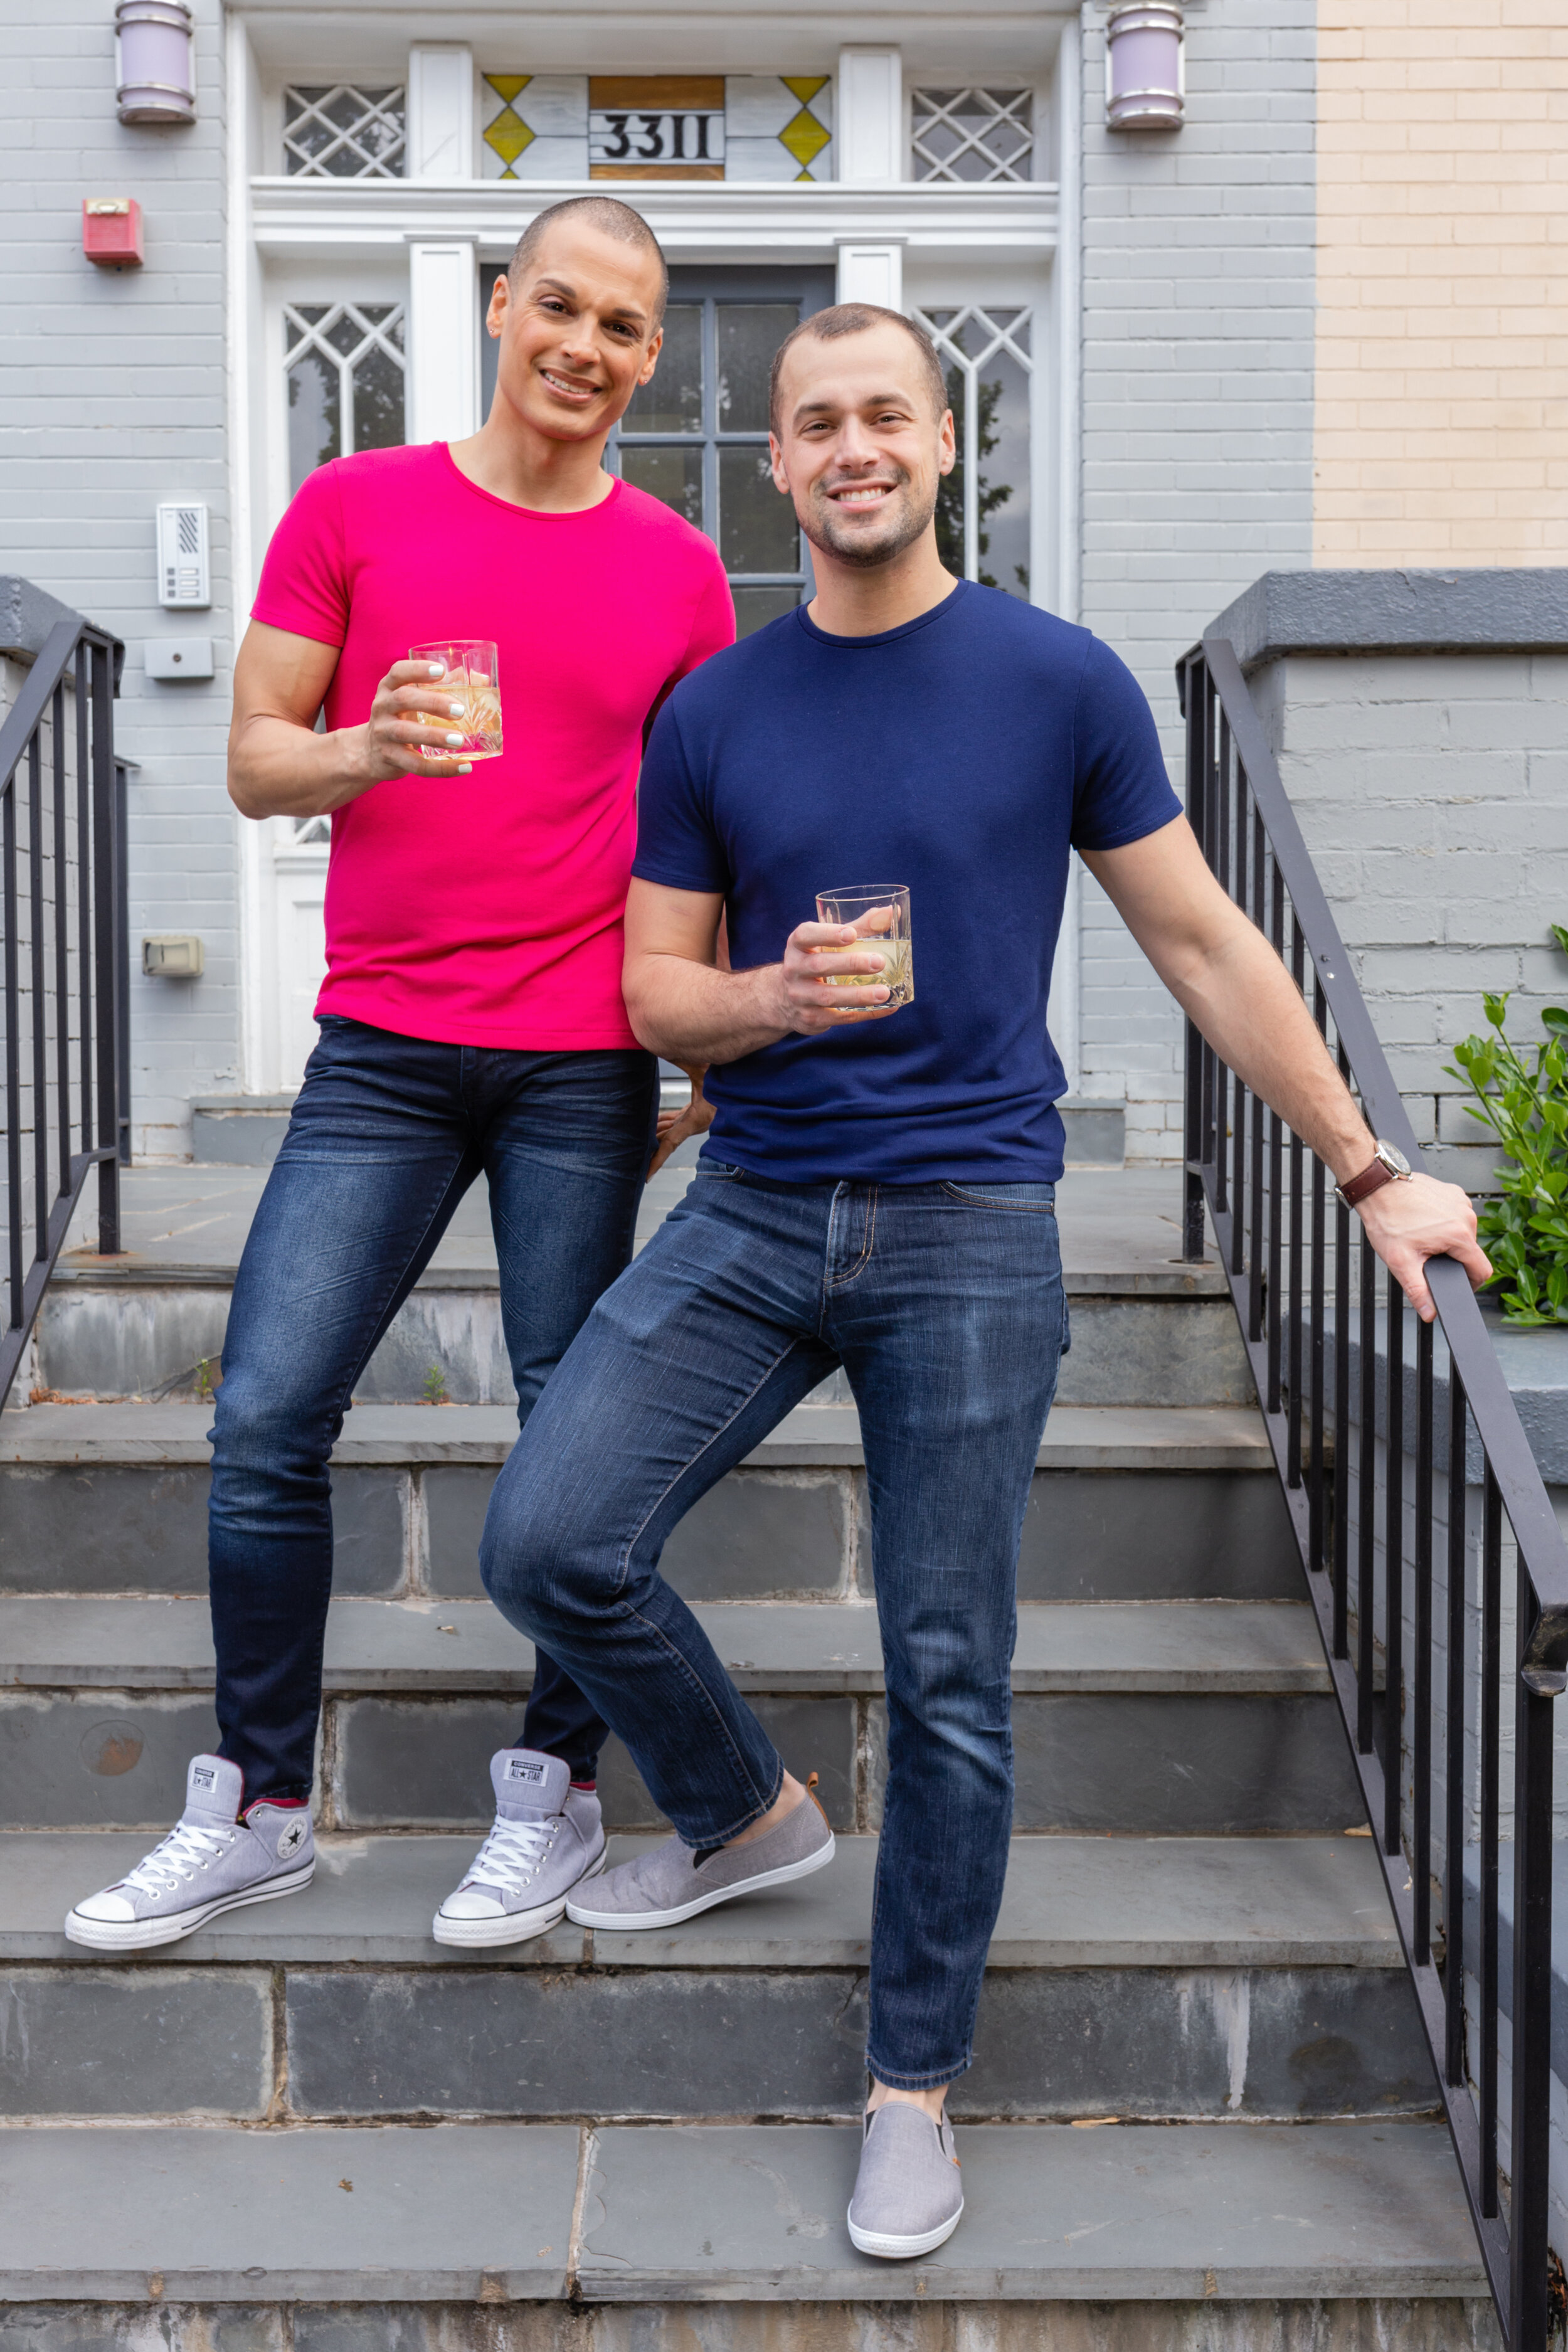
column 1371, row 1180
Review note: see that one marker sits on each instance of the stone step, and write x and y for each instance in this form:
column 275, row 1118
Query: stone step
column 1130, row 1504
column 1145, row 1978
column 747, row 2215
column 1147, row 1328
column 1166, row 1718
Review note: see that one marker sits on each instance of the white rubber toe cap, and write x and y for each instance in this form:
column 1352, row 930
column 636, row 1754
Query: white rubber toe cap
column 472, row 1903
column 110, row 1908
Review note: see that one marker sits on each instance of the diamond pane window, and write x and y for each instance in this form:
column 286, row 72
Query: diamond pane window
column 983, row 506
column 342, row 133
column 344, row 368
column 972, row 134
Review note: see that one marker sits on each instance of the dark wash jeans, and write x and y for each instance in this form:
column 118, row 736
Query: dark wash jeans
column 945, row 1304
column 387, row 1135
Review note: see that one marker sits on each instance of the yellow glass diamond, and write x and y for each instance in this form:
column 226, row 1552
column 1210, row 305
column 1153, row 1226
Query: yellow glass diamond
column 508, row 85
column 804, row 86
column 508, row 135
column 805, row 137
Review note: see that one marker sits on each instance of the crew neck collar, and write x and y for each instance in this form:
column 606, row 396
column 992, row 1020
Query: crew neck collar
column 955, row 597
column 534, row 514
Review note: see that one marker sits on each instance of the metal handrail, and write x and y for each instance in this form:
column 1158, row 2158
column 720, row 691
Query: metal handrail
column 1268, row 1197
column 63, row 997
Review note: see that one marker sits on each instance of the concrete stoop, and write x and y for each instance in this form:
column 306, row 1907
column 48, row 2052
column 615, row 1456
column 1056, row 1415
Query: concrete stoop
column 1201, row 2118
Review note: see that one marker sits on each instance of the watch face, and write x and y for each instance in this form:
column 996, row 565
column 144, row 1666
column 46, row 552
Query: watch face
column 1392, row 1157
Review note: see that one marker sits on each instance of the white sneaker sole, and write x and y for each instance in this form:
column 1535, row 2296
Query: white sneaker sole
column 141, row 1935
column 634, row 1922
column 901, row 2250
column 511, row 1928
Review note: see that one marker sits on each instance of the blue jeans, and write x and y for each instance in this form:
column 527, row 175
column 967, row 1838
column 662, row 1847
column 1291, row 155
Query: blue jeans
column 944, row 1304
column 387, row 1135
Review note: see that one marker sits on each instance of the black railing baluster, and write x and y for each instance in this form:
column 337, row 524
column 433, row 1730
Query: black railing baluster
column 1421, row 1724
column 1492, row 1765
column 1454, row 1743
column 62, row 937
column 1195, row 692
column 61, row 990
column 14, row 1221
column 1393, row 1575
column 38, row 1002
column 1450, row 1935
column 1529, row 2151
column 1366, row 1503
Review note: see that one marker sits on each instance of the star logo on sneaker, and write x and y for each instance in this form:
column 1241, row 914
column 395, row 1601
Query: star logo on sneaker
column 519, row 1768
column 292, row 1839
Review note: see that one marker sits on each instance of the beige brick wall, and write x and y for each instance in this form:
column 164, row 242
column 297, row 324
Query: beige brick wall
column 1441, row 431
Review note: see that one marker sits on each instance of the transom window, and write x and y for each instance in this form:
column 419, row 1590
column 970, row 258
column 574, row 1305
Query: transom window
column 345, row 365
column 697, row 436
column 972, row 134
column 340, row 131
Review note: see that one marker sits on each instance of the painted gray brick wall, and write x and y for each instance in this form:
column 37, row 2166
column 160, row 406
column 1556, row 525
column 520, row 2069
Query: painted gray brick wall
column 114, row 398
column 1432, row 789
column 1197, row 421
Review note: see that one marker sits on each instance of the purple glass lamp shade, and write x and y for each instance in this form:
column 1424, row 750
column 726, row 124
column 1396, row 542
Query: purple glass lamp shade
column 152, row 38
column 1144, row 88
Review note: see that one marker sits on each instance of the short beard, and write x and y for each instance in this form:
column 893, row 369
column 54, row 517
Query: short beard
column 865, row 556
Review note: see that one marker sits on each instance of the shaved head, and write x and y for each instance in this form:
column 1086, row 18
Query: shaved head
column 611, row 218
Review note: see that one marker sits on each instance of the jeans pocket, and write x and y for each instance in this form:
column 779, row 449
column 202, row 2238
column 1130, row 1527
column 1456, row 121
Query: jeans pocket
column 722, row 1169
column 1039, row 1200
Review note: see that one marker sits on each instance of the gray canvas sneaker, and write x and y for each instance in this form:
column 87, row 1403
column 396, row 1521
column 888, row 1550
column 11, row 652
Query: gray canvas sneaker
column 548, row 1836
column 908, row 2195
column 669, row 1884
column 210, row 1861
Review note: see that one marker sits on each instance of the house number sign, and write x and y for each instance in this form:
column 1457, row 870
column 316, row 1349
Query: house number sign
column 655, row 126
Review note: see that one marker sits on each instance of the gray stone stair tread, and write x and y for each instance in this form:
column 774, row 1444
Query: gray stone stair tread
column 720, row 2213
column 1071, row 1903
column 1118, row 1230
column 462, row 2212
column 1078, row 1437
column 713, row 2213
column 107, row 1642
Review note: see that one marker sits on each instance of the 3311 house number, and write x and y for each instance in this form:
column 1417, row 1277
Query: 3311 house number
column 617, row 135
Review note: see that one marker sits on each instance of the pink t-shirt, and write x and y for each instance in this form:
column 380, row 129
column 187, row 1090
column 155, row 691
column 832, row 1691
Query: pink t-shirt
column 486, row 909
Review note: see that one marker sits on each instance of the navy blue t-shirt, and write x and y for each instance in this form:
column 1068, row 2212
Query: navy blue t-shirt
column 963, row 755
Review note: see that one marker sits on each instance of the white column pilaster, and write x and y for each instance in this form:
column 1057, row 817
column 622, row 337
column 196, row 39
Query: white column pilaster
column 442, row 337
column 871, row 271
column 869, row 119
column 440, row 112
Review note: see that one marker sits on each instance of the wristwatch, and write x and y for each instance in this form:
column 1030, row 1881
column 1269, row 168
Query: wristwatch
column 1389, row 1166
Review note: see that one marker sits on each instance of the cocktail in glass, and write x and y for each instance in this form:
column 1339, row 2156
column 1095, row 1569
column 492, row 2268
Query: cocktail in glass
column 473, row 679
column 880, row 912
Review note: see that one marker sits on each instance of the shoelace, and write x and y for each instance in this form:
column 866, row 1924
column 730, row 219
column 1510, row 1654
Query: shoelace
column 511, row 1854
column 188, row 1848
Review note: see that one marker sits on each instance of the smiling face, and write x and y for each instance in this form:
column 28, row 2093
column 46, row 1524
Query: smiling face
column 858, row 447
column 578, row 331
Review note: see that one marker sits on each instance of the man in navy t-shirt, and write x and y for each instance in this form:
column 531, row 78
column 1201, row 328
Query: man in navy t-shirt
column 877, row 1192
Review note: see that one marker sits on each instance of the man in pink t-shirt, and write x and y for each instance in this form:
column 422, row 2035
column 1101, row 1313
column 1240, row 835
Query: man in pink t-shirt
column 471, row 1017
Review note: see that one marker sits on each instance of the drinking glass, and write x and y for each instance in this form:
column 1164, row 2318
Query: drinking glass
column 880, row 912
column 473, row 679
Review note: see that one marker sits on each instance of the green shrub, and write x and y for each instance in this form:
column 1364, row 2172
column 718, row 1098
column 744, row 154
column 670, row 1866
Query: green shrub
column 1524, row 1231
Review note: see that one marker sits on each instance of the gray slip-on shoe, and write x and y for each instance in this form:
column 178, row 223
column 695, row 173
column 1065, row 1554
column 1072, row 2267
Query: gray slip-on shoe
column 660, row 1888
column 908, row 2194
column 547, row 1837
column 211, row 1861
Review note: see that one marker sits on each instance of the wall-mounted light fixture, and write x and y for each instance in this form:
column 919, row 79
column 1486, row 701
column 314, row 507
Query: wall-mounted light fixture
column 152, row 42
column 1145, row 84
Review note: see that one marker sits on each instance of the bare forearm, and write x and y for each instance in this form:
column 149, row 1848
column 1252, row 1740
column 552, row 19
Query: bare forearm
column 690, row 1013
column 277, row 768
column 1251, row 1011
